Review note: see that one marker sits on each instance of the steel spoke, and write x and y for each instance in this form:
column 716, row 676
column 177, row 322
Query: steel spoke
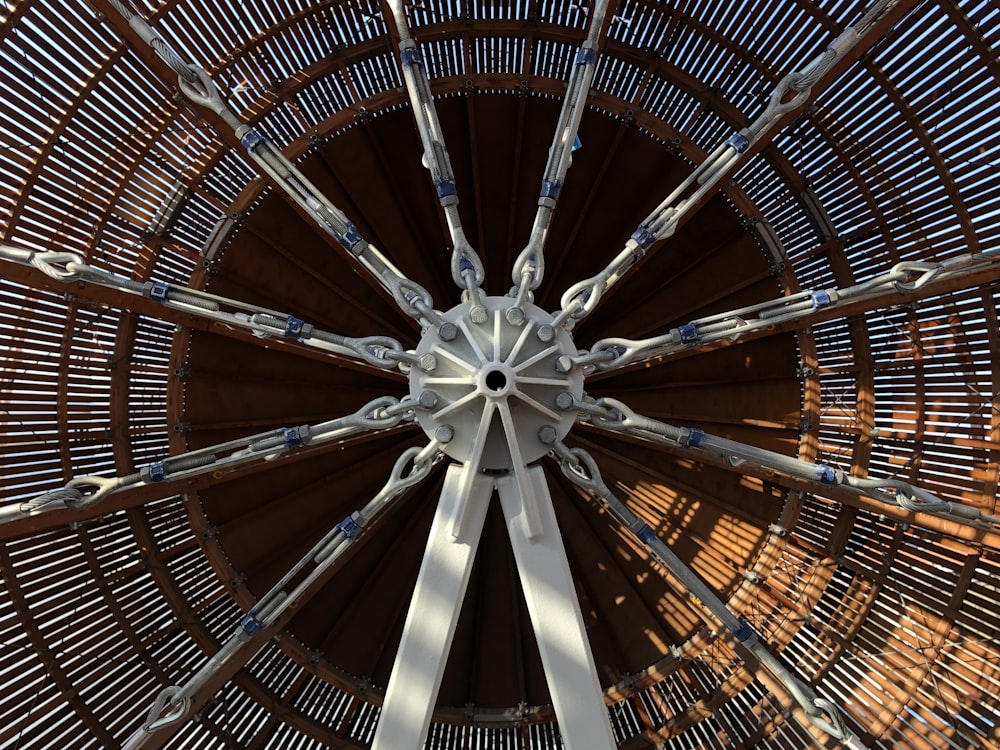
column 173, row 702
column 613, row 415
column 85, row 492
column 199, row 88
column 581, row 468
column 904, row 279
column 529, row 268
column 377, row 351
column 466, row 267
column 791, row 95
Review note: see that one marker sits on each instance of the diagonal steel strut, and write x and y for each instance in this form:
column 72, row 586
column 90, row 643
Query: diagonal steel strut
column 173, row 703
column 86, row 492
column 466, row 267
column 791, row 95
column 581, row 468
column 199, row 88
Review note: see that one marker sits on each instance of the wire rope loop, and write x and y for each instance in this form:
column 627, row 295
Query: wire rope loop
column 177, row 709
column 422, row 459
column 607, row 354
column 594, row 359
column 375, row 414
column 377, row 351
column 777, row 106
column 923, row 272
column 463, row 260
column 917, row 500
column 613, row 416
column 92, row 489
column 60, row 266
column 528, row 271
column 579, row 467
column 403, row 409
column 413, row 298
column 602, row 411
column 202, row 90
column 618, row 415
column 903, row 494
column 66, row 498
column 581, row 299
column 826, row 716
column 804, row 80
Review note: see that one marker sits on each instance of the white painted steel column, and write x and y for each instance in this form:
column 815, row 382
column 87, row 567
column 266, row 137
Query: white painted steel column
column 555, row 614
column 434, row 610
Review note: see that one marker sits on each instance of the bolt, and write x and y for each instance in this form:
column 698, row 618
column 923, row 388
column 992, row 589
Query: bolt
column 444, row 433
column 478, row 314
column 547, row 434
column 427, row 399
column 447, row 331
column 564, row 364
column 565, row 400
column 545, row 333
column 428, row 362
column 515, row 316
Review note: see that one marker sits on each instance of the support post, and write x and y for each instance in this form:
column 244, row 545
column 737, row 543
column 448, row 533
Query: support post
column 434, row 610
column 555, row 614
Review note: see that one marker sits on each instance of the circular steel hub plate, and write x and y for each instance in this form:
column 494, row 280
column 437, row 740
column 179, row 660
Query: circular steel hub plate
column 495, row 383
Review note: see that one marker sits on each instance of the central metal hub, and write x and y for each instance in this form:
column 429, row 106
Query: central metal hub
column 495, row 382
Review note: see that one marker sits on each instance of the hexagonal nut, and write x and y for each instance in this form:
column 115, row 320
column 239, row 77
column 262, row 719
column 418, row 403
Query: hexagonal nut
column 545, row 333
column 514, row 316
column 447, row 331
column 427, row 399
column 478, row 314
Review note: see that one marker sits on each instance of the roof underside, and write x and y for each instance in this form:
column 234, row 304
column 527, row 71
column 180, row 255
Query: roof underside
column 889, row 614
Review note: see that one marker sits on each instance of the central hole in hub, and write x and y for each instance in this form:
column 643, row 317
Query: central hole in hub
column 495, row 380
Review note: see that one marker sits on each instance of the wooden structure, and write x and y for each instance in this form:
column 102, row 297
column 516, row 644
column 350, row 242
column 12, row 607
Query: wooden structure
column 890, row 614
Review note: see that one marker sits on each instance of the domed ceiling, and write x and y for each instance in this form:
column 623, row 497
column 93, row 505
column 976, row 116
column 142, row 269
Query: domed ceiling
column 828, row 295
